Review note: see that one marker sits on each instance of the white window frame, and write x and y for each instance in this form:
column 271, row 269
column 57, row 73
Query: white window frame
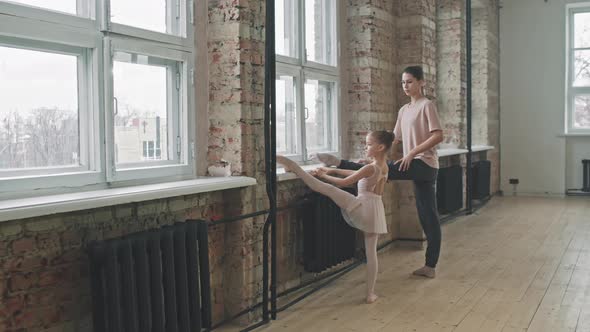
column 28, row 27
column 572, row 92
column 334, row 117
column 182, row 39
column 180, row 165
column 301, row 69
column 296, row 73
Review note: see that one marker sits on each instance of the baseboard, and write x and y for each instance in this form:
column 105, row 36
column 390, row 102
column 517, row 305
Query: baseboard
column 577, row 192
column 532, row 194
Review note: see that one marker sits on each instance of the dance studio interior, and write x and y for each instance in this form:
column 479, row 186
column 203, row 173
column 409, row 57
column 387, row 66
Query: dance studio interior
column 140, row 190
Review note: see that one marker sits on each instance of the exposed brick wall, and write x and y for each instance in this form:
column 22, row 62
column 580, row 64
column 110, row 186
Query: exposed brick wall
column 372, row 57
column 416, row 42
column 236, row 68
column 371, row 76
column 451, row 62
column 415, row 45
column 486, row 121
column 44, row 280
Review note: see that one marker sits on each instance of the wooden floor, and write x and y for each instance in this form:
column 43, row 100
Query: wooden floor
column 518, row 264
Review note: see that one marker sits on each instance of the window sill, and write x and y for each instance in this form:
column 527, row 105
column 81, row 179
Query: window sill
column 450, row 152
column 479, row 148
column 446, row 152
column 45, row 205
column 566, row 135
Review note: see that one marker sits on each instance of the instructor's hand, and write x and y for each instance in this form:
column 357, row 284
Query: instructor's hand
column 405, row 162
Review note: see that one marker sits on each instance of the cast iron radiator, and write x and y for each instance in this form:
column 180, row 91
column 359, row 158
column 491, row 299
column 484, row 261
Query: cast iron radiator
column 152, row 281
column 449, row 189
column 328, row 239
column 481, row 173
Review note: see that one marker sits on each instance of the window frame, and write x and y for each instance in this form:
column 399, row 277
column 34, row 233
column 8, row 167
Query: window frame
column 571, row 91
column 143, row 170
column 296, row 74
column 84, row 19
column 334, row 116
column 182, row 40
column 85, row 109
column 24, row 26
column 302, row 69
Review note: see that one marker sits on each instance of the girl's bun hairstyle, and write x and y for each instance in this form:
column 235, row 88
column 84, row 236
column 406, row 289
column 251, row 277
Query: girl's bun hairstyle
column 383, row 137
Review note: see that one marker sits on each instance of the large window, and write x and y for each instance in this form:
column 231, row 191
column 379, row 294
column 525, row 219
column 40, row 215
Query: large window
column 307, row 82
column 578, row 78
column 76, row 74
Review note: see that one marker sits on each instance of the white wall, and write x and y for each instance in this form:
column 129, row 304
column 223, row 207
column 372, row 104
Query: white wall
column 532, row 90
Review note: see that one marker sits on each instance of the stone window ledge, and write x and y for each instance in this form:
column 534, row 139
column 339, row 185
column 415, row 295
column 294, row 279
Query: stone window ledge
column 479, row 148
column 51, row 204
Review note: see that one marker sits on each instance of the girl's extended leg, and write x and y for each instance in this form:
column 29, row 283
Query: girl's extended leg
column 339, row 196
column 372, row 265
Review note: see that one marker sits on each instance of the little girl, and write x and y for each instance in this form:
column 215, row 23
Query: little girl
column 364, row 211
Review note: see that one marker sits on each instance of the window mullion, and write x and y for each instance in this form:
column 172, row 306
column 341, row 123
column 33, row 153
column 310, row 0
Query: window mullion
column 301, row 37
column 84, row 132
column 108, row 108
column 84, row 8
column 104, row 14
column 328, row 117
column 301, row 116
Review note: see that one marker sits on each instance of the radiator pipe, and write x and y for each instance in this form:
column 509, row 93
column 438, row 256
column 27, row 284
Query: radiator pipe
column 257, row 213
column 335, row 274
column 254, row 326
column 340, row 272
column 463, row 212
column 468, row 175
column 238, row 218
column 313, row 281
column 322, row 285
column 270, row 161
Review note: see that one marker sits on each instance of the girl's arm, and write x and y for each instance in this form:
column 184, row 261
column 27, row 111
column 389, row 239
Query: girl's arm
column 355, row 177
column 337, row 171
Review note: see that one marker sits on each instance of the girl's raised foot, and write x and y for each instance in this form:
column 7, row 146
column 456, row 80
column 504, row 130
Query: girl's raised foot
column 285, row 162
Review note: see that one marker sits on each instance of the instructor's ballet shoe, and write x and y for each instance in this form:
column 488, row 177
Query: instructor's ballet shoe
column 425, row 271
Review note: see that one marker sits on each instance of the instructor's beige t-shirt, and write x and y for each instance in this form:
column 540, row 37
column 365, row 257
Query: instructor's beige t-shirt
column 413, row 127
